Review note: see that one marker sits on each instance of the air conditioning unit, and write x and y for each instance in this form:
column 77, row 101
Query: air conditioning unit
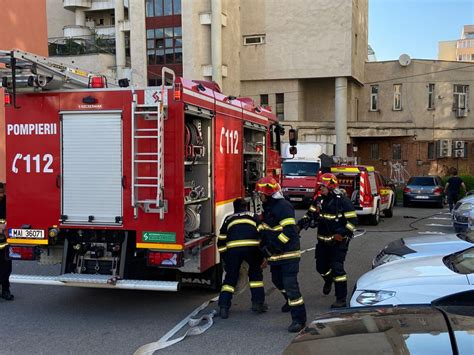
column 443, row 148
column 458, row 145
column 460, row 112
column 458, row 153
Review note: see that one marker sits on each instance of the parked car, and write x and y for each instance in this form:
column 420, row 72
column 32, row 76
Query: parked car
column 445, row 326
column 419, row 280
column 424, row 189
column 463, row 214
column 421, row 246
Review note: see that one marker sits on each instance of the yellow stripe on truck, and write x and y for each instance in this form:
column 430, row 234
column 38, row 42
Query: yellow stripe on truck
column 159, row 246
column 27, row 241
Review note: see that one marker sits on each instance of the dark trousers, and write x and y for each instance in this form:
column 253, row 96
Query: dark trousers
column 5, row 271
column 233, row 259
column 452, row 200
column 330, row 257
column 285, row 278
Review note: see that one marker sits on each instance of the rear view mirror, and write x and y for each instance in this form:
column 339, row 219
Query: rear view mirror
column 293, row 150
column 293, row 136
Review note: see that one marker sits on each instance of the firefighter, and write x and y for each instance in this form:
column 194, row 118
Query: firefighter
column 239, row 241
column 334, row 215
column 281, row 246
column 5, row 261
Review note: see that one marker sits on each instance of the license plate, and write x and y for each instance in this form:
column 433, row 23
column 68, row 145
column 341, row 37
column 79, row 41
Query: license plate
column 296, row 199
column 26, row 233
column 422, row 197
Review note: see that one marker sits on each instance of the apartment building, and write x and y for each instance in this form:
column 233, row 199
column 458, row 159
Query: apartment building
column 303, row 58
column 415, row 117
column 461, row 50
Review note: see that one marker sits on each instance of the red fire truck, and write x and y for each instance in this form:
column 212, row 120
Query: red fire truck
column 124, row 187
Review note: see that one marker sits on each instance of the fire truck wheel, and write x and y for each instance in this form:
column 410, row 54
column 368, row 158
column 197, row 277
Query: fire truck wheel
column 375, row 218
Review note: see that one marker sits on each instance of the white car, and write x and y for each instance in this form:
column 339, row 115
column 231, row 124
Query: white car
column 416, row 281
column 463, row 214
column 422, row 246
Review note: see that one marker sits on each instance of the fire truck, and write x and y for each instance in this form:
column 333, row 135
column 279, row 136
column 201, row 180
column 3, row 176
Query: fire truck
column 122, row 187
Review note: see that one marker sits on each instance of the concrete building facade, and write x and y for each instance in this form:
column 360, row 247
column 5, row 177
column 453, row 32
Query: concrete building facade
column 416, row 118
column 461, row 50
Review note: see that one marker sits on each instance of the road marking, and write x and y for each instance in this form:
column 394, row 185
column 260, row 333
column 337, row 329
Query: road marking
column 438, row 225
column 443, row 218
column 428, row 232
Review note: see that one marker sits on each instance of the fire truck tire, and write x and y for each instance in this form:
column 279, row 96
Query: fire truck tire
column 375, row 218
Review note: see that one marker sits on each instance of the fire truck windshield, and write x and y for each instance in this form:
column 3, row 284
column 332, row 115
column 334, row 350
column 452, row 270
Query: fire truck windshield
column 296, row 168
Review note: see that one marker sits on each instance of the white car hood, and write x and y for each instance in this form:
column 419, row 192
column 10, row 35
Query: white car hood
column 415, row 272
column 436, row 244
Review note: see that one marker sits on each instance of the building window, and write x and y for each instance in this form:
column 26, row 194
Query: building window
column 397, row 97
column 264, row 100
column 431, row 151
column 396, row 151
column 374, row 98
column 157, row 8
column 374, row 151
column 460, row 100
column 280, row 106
column 254, row 39
column 164, row 46
column 431, row 96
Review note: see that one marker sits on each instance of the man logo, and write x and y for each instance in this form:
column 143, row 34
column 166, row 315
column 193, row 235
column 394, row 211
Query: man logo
column 190, row 280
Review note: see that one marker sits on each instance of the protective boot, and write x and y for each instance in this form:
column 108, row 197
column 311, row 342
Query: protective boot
column 295, row 327
column 340, row 303
column 224, row 312
column 259, row 307
column 327, row 286
column 7, row 295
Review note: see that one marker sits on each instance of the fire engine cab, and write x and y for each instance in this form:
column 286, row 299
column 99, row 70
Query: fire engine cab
column 125, row 187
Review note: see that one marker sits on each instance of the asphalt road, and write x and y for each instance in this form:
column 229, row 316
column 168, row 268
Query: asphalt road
column 63, row 320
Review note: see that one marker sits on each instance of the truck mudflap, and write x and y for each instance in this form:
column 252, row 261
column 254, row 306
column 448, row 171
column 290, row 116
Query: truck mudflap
column 95, row 281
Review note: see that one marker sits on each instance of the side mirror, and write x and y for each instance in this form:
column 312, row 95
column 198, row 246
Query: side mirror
column 293, row 150
column 293, row 136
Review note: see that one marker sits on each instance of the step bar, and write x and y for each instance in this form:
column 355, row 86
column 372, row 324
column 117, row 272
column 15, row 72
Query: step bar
column 95, row 281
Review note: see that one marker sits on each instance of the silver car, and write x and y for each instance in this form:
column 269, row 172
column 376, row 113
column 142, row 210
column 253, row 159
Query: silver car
column 463, row 214
column 421, row 246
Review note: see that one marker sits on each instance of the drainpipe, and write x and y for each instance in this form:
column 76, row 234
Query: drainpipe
column 119, row 38
column 341, row 117
column 216, row 41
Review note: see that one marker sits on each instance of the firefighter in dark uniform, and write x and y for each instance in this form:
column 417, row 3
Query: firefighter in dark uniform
column 5, row 261
column 281, row 246
column 239, row 241
column 336, row 219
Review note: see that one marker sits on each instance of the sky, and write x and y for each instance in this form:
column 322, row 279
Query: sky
column 415, row 27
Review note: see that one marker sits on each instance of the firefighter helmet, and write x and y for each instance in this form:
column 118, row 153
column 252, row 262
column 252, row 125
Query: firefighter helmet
column 267, row 186
column 329, row 180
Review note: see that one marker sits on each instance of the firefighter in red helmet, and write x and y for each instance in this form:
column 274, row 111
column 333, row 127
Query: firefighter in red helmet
column 281, row 246
column 334, row 215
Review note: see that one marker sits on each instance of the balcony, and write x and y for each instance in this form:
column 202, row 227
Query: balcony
column 74, row 4
column 105, row 31
column 61, row 46
column 76, row 31
column 98, row 5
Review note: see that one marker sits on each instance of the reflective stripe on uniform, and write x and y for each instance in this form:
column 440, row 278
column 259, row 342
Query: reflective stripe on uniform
column 324, row 238
column 340, row 278
column 283, row 291
column 327, row 273
column 255, row 284
column 287, row 222
column 296, row 302
column 243, row 243
column 265, row 226
column 312, row 208
column 242, row 221
column 222, row 237
column 283, row 238
column 227, row 288
column 350, row 226
column 222, row 249
column 3, row 245
column 330, row 216
column 351, row 214
column 289, row 255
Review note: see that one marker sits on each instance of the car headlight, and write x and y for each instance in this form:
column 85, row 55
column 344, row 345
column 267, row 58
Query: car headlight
column 368, row 298
column 385, row 258
column 310, row 190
